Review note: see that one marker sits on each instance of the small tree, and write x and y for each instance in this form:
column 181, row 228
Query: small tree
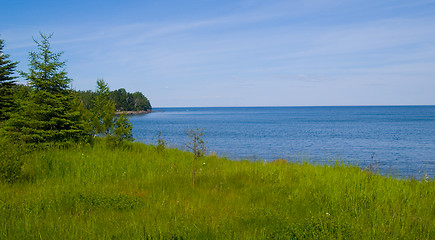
column 117, row 130
column 197, row 146
column 7, row 82
column 103, row 110
column 122, row 132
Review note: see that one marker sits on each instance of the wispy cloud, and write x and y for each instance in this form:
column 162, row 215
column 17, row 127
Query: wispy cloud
column 255, row 48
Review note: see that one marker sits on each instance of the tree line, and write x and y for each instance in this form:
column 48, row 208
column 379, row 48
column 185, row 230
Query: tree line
column 124, row 101
column 47, row 111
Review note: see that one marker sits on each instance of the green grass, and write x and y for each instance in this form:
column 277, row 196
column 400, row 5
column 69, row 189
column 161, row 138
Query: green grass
column 94, row 192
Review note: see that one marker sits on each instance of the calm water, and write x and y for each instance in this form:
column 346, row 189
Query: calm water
column 400, row 139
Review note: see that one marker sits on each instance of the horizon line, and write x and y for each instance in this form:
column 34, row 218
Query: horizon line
column 391, row 105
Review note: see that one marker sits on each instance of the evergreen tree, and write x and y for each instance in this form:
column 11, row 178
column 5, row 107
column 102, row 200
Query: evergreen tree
column 53, row 112
column 122, row 131
column 117, row 130
column 47, row 73
column 103, row 110
column 7, row 82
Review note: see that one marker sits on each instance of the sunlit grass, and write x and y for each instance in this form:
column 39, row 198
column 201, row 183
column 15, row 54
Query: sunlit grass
column 94, row 192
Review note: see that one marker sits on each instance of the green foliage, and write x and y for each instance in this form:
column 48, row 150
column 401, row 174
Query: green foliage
column 87, row 98
column 122, row 133
column 48, row 117
column 103, row 110
column 161, row 143
column 81, row 117
column 121, row 98
column 140, row 102
column 46, row 71
column 13, row 158
column 123, row 128
column 100, row 192
column 196, row 143
column 197, row 146
column 7, row 82
column 112, row 202
column 52, row 112
column 21, row 93
column 10, row 161
column 124, row 101
column 117, row 130
column 48, row 112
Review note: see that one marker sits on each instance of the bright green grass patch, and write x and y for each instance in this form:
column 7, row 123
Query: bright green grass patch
column 94, row 192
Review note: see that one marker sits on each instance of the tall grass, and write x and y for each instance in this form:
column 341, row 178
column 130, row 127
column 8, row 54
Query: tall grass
column 94, row 192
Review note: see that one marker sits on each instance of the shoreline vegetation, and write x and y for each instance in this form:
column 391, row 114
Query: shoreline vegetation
column 145, row 192
column 125, row 102
column 133, row 112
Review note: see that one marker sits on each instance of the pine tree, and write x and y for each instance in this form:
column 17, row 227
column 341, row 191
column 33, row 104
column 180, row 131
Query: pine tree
column 7, row 82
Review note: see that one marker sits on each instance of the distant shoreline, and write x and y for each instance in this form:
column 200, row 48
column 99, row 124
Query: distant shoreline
column 133, row 112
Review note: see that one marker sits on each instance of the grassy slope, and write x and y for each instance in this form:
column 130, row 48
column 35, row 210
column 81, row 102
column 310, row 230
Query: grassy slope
column 100, row 193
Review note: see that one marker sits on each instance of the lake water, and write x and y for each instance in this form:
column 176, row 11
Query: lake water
column 398, row 140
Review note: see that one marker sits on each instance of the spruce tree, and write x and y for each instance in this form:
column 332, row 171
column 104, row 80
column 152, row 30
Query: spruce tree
column 46, row 71
column 7, row 82
column 53, row 113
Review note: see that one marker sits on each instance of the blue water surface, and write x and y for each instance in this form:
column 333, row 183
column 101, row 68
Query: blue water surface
column 397, row 140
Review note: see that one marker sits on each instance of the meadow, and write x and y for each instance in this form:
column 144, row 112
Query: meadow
column 145, row 192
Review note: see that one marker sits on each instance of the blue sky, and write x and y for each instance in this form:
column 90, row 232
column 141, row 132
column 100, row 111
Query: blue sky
column 238, row 53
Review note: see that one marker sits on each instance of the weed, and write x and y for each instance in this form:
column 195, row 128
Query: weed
column 161, row 143
column 373, row 165
column 197, row 146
